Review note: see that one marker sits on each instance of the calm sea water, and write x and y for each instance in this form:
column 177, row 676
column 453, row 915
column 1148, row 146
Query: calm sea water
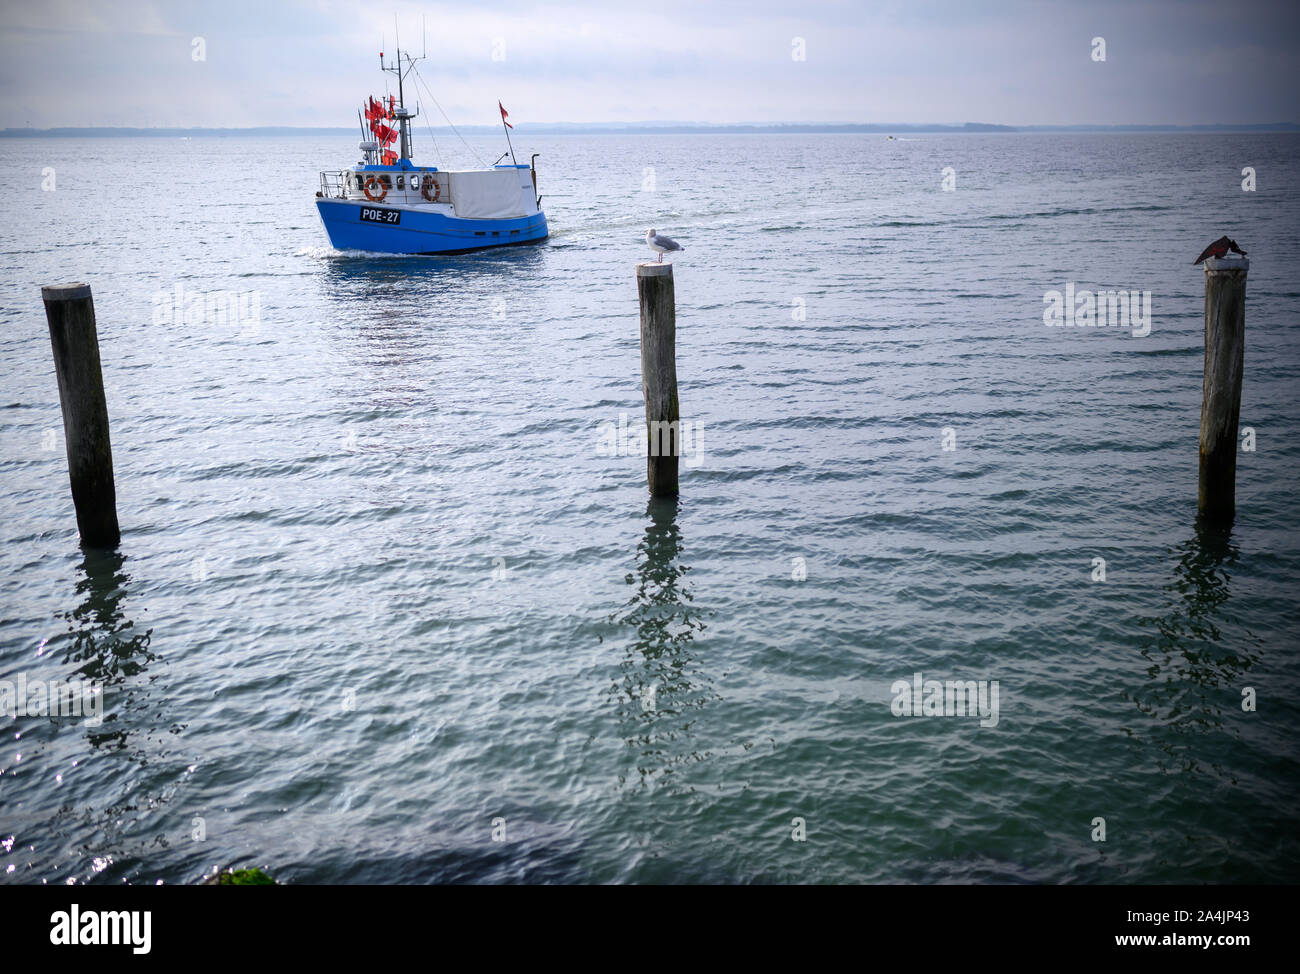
column 382, row 599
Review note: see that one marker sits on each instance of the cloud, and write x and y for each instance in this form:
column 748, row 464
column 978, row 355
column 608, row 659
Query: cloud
column 73, row 62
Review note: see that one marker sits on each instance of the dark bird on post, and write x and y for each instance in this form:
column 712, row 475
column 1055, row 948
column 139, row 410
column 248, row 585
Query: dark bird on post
column 1220, row 248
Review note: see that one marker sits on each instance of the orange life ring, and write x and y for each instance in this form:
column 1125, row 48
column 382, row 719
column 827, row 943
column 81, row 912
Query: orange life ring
column 374, row 181
column 430, row 183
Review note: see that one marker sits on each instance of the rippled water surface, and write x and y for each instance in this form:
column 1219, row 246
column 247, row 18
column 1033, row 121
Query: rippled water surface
column 379, row 584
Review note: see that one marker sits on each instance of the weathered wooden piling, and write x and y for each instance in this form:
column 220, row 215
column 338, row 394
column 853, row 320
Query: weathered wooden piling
column 1225, row 339
column 654, row 285
column 70, row 313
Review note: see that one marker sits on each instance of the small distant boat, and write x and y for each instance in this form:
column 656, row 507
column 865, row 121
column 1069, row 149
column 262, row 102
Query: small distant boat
column 388, row 204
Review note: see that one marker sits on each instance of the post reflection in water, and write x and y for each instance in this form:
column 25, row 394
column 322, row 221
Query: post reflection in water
column 660, row 689
column 1197, row 653
column 93, row 753
column 104, row 641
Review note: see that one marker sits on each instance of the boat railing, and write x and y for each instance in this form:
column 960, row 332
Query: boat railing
column 331, row 185
column 392, row 187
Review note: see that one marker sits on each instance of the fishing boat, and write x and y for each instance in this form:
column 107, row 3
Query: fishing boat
column 387, row 204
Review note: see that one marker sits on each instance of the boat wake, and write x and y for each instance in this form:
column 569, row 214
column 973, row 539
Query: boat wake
column 331, row 253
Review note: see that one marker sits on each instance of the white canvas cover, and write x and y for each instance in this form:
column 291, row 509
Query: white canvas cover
column 492, row 194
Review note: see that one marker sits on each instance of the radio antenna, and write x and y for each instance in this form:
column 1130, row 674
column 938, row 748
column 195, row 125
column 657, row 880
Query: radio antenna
column 402, row 114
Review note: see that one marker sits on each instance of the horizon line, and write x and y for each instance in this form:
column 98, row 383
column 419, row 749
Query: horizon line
column 648, row 127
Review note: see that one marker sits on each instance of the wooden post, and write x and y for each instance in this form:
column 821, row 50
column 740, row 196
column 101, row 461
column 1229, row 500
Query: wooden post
column 1225, row 339
column 70, row 312
column 654, row 285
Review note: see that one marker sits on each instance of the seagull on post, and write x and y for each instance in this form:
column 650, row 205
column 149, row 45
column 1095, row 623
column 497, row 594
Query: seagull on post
column 665, row 245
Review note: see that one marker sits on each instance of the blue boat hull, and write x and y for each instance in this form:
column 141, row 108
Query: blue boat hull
column 421, row 232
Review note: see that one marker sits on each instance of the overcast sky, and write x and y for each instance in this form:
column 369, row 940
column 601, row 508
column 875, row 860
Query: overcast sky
column 309, row 62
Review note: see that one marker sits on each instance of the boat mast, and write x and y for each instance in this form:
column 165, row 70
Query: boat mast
column 400, row 113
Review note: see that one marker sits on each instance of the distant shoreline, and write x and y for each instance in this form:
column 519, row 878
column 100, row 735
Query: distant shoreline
column 561, row 128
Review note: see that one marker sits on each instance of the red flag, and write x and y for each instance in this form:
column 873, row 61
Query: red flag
column 391, row 101
column 504, row 113
column 384, row 133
